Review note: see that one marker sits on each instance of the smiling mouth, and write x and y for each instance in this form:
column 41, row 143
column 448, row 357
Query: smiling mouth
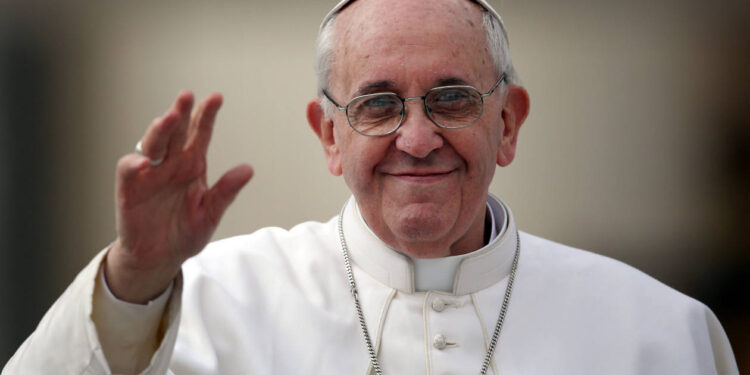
column 422, row 177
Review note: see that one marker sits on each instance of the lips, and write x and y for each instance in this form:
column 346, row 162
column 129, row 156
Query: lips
column 421, row 173
column 422, row 176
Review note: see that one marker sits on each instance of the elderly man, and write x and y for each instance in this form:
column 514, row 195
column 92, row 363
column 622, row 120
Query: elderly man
column 423, row 272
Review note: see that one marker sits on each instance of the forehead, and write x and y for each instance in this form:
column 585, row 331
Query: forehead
column 394, row 39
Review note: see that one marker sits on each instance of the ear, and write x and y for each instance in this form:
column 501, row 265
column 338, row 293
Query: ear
column 323, row 128
column 515, row 110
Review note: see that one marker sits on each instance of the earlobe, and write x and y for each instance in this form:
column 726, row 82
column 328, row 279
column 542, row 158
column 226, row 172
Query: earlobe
column 515, row 110
column 323, row 128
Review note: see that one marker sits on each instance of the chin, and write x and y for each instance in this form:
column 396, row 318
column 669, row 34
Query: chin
column 421, row 222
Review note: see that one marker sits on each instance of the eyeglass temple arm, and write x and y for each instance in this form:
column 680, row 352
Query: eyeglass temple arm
column 325, row 93
column 497, row 84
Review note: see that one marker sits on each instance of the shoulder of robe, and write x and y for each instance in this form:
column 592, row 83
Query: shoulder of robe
column 592, row 305
column 617, row 306
column 584, row 275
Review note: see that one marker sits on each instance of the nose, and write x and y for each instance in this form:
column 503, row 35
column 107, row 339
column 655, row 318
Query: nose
column 417, row 135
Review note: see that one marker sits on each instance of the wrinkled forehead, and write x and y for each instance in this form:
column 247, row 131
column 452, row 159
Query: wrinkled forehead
column 344, row 3
column 419, row 41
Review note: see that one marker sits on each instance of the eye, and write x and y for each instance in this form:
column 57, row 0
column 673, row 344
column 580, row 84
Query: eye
column 454, row 106
column 375, row 107
column 448, row 96
column 380, row 102
column 372, row 113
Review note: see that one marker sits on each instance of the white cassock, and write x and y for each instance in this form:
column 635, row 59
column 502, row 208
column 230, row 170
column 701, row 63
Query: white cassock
column 278, row 302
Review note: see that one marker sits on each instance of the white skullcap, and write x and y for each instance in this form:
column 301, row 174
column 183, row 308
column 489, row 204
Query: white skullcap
column 344, row 3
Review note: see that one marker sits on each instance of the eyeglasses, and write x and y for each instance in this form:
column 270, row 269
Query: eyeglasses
column 448, row 107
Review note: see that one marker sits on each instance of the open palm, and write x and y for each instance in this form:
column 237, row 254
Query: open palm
column 166, row 212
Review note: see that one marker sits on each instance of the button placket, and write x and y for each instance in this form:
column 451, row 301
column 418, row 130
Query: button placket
column 448, row 326
column 439, row 304
column 439, row 342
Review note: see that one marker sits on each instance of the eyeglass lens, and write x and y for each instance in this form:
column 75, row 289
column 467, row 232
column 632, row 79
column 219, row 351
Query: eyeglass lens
column 450, row 107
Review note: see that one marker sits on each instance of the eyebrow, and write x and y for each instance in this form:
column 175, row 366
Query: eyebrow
column 377, row 86
column 451, row 81
column 386, row 85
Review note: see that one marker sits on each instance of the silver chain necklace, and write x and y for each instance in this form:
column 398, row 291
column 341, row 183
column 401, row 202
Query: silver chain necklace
column 366, row 334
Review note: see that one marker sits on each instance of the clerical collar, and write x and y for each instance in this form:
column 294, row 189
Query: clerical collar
column 439, row 273
column 458, row 275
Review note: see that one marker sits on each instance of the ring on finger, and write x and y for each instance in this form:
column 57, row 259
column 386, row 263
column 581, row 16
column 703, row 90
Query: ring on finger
column 139, row 151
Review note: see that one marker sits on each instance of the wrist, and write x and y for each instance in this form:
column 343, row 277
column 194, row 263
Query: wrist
column 133, row 283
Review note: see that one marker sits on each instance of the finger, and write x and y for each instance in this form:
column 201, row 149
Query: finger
column 129, row 166
column 183, row 105
column 218, row 198
column 202, row 123
column 154, row 142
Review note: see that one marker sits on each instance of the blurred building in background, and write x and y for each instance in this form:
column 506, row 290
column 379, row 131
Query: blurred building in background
column 637, row 146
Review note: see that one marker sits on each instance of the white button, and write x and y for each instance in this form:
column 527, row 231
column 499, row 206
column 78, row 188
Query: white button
column 438, row 305
column 439, row 342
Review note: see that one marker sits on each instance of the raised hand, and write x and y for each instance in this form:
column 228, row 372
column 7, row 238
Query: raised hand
column 166, row 212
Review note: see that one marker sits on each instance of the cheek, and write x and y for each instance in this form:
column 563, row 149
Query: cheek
column 493, row 134
column 479, row 148
column 360, row 156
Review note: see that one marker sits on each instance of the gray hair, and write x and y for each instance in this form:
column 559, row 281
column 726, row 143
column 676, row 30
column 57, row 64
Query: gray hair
column 497, row 40
column 323, row 60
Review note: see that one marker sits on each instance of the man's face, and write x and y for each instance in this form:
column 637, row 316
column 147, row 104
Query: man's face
column 422, row 189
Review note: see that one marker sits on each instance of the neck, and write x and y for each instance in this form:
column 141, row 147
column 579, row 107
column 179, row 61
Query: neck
column 470, row 242
column 473, row 238
column 439, row 273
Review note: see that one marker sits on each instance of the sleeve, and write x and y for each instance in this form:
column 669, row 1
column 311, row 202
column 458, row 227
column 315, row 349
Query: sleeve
column 723, row 356
column 66, row 340
column 129, row 333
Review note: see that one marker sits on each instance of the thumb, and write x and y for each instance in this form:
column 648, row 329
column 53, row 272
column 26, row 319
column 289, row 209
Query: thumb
column 221, row 195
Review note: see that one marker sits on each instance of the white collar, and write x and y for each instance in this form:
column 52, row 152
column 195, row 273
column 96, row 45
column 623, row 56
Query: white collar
column 474, row 271
column 439, row 273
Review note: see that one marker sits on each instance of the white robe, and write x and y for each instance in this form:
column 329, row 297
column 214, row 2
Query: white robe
column 278, row 302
